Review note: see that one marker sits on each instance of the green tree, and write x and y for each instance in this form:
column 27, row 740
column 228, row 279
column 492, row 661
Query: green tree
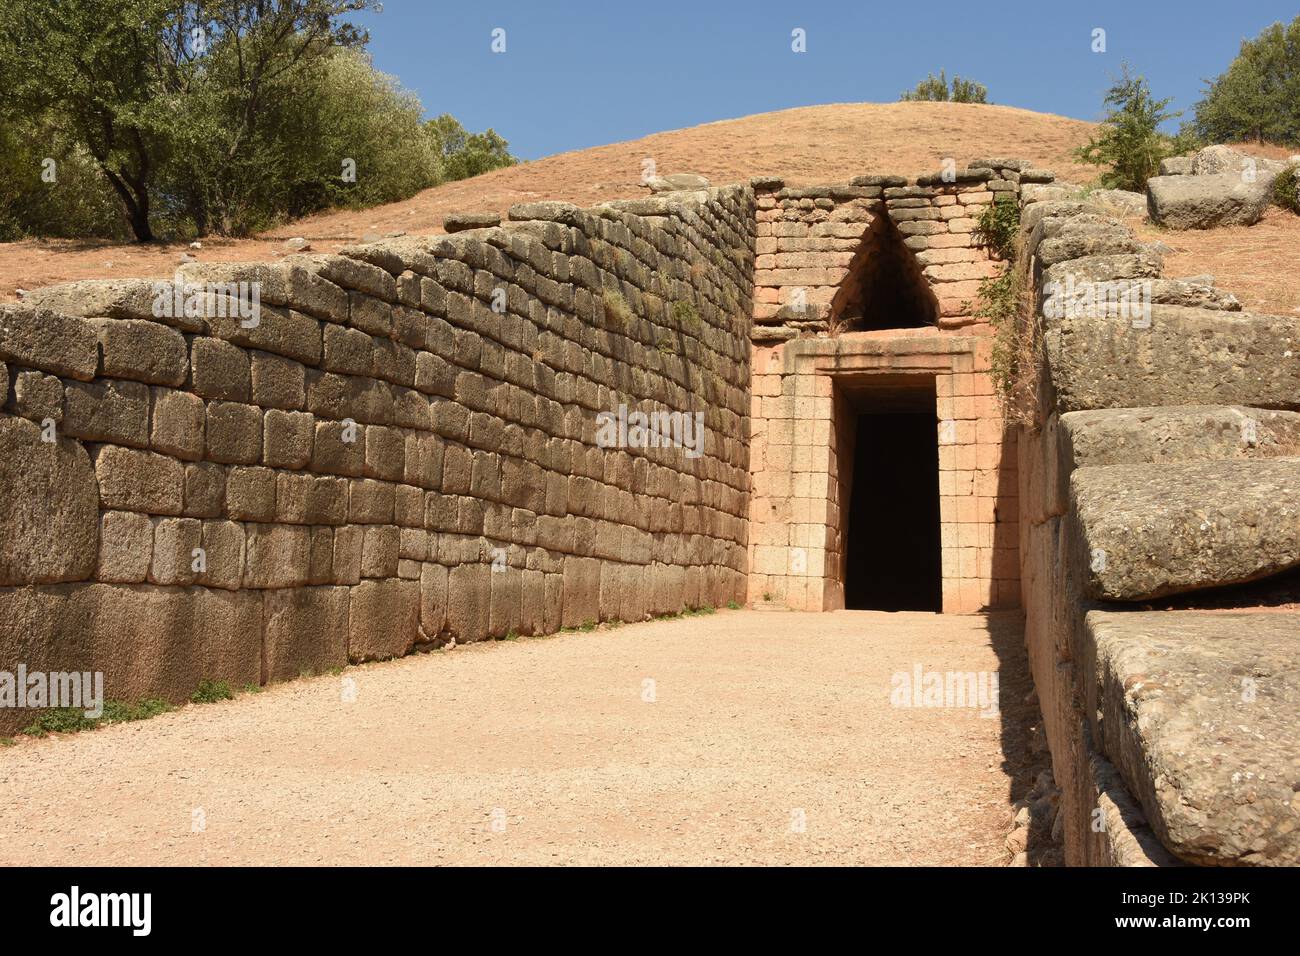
column 342, row 134
column 1258, row 96
column 189, row 118
column 49, row 190
column 260, row 64
column 1130, row 145
column 937, row 89
column 89, row 65
column 467, row 154
column 134, row 81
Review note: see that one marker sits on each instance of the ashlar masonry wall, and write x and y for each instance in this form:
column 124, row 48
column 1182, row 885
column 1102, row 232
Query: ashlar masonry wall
column 816, row 337
column 401, row 452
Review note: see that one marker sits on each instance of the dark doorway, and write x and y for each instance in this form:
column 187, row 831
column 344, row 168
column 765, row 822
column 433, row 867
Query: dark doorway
column 893, row 557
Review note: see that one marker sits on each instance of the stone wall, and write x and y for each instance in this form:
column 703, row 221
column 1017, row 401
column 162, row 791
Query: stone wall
column 823, row 325
column 1160, row 493
column 812, row 241
column 403, row 450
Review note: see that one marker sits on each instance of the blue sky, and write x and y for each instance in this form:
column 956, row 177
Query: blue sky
column 581, row 73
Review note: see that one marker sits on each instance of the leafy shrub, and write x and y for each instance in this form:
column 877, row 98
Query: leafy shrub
column 117, row 712
column 1286, row 188
column 463, row 154
column 999, row 226
column 1131, row 146
column 77, row 203
column 211, row 691
column 66, row 720
column 61, row 720
column 937, row 89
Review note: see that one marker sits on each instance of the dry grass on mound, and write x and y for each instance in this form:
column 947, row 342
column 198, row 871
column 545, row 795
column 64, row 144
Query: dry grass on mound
column 1257, row 264
column 815, row 144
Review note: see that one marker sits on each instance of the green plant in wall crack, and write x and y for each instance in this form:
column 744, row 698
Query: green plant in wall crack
column 999, row 226
column 1004, row 301
column 686, row 316
column 665, row 341
column 617, row 312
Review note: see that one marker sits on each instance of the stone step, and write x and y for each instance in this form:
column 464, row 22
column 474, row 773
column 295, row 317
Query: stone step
column 1130, row 436
column 1175, row 356
column 1134, row 436
column 1151, row 530
column 1198, row 712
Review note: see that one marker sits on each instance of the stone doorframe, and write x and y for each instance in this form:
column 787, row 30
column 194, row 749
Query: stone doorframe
column 796, row 521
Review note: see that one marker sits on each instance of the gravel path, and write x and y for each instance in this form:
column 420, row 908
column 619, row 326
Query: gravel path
column 546, row 751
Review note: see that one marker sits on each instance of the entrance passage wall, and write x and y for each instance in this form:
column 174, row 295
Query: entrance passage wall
column 404, row 450
column 1160, row 523
column 814, row 247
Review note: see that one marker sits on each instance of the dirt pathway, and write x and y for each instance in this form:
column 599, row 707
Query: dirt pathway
column 764, row 737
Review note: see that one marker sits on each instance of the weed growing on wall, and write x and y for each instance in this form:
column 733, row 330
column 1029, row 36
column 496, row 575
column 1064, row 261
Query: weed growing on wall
column 999, row 226
column 685, row 316
column 1004, row 301
column 617, row 311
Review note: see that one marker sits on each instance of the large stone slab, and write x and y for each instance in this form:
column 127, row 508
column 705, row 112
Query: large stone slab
column 48, row 340
column 383, row 619
column 1142, row 264
column 148, row 641
column 1122, row 836
column 1131, row 436
column 1203, row 202
column 1146, row 531
column 49, row 507
column 1122, row 202
column 306, row 630
column 1184, row 356
column 1059, row 239
column 1224, row 160
column 1198, row 712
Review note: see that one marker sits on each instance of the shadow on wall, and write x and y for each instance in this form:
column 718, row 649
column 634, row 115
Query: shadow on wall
column 1025, row 757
